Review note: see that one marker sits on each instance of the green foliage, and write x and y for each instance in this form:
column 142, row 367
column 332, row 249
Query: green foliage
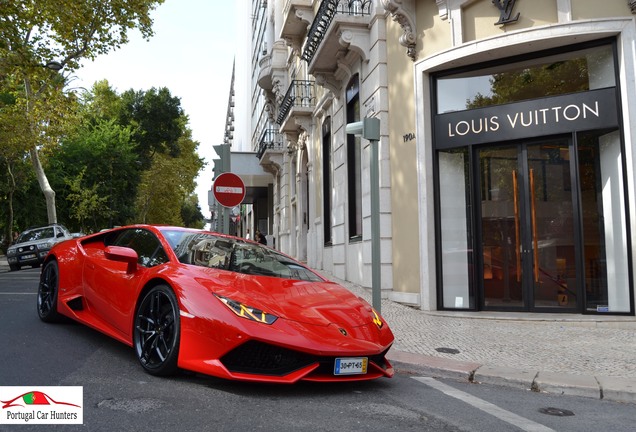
column 167, row 184
column 111, row 159
column 37, row 32
column 37, row 38
column 157, row 120
column 102, row 158
column 101, row 179
column 191, row 213
column 86, row 206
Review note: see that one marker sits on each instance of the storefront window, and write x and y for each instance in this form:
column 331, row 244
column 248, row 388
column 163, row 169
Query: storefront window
column 455, row 228
column 604, row 223
column 531, row 194
column 573, row 72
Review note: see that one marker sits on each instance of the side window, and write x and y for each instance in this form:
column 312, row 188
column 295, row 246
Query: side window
column 146, row 245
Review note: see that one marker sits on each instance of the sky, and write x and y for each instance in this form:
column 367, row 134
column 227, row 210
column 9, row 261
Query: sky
column 191, row 54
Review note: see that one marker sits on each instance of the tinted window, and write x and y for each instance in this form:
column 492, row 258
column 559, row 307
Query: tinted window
column 144, row 242
column 225, row 253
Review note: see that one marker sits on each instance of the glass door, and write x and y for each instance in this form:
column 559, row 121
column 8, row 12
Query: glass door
column 527, row 227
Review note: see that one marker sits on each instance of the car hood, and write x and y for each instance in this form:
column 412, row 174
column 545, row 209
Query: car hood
column 317, row 303
column 29, row 243
column 52, row 241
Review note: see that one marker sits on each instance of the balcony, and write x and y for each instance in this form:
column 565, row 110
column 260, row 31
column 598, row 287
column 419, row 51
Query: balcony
column 297, row 15
column 299, row 101
column 272, row 65
column 270, row 147
column 339, row 26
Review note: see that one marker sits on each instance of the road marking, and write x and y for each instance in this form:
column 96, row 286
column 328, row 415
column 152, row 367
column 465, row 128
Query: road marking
column 512, row 418
column 16, row 293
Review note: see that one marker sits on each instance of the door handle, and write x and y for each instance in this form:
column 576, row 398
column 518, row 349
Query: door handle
column 515, row 186
column 533, row 215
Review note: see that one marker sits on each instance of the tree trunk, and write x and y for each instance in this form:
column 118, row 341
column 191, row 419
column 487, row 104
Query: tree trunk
column 9, row 228
column 48, row 192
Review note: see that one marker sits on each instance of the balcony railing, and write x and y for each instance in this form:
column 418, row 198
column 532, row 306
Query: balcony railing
column 327, row 10
column 301, row 93
column 271, row 139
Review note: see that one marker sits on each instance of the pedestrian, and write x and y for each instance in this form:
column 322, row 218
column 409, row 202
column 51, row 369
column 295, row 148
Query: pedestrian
column 260, row 238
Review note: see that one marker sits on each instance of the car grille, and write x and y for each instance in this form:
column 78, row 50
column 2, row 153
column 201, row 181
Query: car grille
column 260, row 358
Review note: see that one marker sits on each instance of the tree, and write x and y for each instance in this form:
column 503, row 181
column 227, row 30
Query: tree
column 38, row 37
column 191, row 212
column 168, row 184
column 157, row 121
column 99, row 167
column 87, row 206
column 100, row 157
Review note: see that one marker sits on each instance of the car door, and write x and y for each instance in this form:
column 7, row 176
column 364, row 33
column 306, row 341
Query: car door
column 111, row 289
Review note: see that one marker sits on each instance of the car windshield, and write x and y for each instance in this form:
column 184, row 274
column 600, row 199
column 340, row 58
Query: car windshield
column 37, row 234
column 227, row 253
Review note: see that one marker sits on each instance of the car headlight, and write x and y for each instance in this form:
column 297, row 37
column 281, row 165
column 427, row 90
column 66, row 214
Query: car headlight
column 247, row 312
column 376, row 319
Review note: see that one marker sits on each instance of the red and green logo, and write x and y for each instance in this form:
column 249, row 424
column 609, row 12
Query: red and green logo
column 33, row 398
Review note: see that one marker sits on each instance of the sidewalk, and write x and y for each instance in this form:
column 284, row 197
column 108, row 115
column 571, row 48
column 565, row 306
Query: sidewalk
column 579, row 355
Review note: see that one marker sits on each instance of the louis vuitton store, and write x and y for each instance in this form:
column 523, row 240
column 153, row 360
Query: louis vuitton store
column 527, row 169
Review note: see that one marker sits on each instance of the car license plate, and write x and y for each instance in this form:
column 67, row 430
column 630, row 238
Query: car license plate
column 350, row 366
column 26, row 257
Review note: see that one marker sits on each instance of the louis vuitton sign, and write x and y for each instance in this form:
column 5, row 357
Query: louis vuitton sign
column 595, row 109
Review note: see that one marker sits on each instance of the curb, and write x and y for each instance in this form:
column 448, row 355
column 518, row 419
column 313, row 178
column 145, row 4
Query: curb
column 614, row 389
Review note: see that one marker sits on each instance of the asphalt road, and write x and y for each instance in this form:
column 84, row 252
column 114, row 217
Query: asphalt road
column 118, row 395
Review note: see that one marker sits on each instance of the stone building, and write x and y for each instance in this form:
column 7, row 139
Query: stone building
column 506, row 163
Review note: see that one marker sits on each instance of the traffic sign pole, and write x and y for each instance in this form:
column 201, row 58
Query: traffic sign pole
column 229, row 191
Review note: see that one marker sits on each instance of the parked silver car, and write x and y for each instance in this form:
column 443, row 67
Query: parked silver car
column 34, row 244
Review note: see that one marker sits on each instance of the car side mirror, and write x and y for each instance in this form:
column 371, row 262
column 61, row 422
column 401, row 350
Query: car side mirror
column 123, row 254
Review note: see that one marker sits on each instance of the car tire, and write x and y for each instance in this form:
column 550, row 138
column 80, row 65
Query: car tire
column 14, row 267
column 157, row 331
column 47, row 293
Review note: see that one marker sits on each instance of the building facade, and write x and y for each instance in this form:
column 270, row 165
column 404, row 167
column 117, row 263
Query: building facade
column 506, row 159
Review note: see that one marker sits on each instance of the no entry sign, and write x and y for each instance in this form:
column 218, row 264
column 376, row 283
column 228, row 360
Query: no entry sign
column 229, row 189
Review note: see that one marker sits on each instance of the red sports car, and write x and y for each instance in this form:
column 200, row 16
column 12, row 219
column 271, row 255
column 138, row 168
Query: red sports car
column 214, row 304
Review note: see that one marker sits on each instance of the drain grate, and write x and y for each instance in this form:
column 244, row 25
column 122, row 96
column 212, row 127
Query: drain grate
column 558, row 412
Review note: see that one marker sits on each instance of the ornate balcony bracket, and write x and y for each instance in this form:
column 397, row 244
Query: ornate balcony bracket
column 328, row 81
column 356, row 40
column 305, row 15
column 401, row 11
column 304, row 123
column 297, row 17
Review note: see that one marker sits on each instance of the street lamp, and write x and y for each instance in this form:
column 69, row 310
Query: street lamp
column 369, row 129
column 54, row 65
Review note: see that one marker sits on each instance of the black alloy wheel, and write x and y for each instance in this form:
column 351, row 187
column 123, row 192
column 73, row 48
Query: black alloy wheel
column 47, row 293
column 157, row 331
